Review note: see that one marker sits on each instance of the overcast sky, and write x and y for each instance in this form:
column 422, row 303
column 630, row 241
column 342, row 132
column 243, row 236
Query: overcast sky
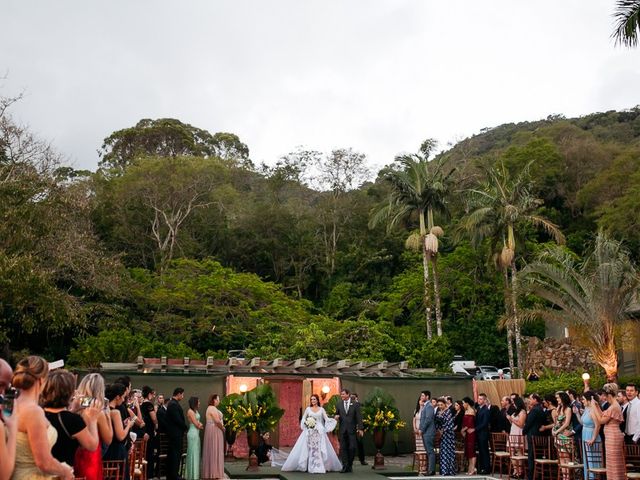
column 377, row 76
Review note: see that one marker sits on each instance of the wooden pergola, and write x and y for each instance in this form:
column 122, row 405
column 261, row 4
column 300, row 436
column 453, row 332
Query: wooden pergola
column 257, row 366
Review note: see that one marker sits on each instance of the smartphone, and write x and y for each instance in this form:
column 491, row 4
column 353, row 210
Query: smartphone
column 7, row 402
column 86, row 402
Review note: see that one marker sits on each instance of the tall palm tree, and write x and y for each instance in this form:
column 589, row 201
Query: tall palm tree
column 627, row 23
column 595, row 296
column 418, row 189
column 502, row 204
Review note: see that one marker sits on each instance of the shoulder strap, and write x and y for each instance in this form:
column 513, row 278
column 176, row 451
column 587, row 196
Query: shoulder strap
column 62, row 425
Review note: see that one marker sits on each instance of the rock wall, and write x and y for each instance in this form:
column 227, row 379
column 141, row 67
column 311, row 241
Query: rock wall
column 557, row 355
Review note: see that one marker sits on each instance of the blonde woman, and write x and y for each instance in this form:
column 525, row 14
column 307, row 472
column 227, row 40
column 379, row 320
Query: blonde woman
column 36, row 435
column 88, row 463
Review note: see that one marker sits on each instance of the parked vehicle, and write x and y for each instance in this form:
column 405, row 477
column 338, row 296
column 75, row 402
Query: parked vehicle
column 464, row 367
column 488, row 372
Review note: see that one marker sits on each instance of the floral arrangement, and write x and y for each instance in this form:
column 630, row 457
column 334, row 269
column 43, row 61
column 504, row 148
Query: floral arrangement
column 380, row 413
column 255, row 410
column 228, row 407
column 310, row 422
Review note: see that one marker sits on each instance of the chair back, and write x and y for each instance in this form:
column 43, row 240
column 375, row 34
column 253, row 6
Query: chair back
column 632, row 457
column 113, row 469
column 499, row 442
column 593, row 455
column 541, row 447
column 516, row 444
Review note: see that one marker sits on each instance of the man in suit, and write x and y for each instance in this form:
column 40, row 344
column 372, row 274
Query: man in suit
column 427, row 427
column 175, row 426
column 535, row 419
column 482, row 434
column 350, row 418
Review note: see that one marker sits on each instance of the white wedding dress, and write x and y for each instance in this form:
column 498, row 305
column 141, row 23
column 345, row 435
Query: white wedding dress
column 313, row 451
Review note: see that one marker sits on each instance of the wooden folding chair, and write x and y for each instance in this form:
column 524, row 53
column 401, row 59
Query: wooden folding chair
column 632, row 461
column 138, row 468
column 545, row 460
column 518, row 458
column 499, row 453
column 113, row 469
column 163, row 448
column 593, row 457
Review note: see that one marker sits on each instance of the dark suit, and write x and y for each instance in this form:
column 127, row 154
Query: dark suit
column 482, row 436
column 350, row 422
column 175, row 426
column 535, row 419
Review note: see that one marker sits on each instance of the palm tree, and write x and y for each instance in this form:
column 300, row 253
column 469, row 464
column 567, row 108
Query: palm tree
column 418, row 189
column 627, row 23
column 502, row 204
column 595, row 296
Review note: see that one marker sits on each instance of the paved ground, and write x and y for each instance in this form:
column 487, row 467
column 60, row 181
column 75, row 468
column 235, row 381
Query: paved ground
column 397, row 468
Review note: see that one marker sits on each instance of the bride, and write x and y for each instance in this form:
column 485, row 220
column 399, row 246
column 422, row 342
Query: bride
column 313, row 451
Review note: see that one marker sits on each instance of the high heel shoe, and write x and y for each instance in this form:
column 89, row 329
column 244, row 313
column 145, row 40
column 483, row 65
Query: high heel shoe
column 473, row 472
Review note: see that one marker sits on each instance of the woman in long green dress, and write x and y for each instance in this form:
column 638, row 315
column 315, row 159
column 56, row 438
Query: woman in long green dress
column 192, row 470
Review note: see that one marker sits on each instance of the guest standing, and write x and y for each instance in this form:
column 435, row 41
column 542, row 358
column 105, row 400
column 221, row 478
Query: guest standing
column 150, row 420
column 632, row 424
column 74, row 430
column 590, row 432
column 359, row 439
column 421, row 454
column 613, row 437
column 444, row 423
column 176, row 426
column 428, row 430
column 35, row 435
column 535, row 419
column 469, row 433
column 213, row 445
column 518, row 420
column 192, row 471
column 8, row 427
column 562, row 432
column 117, row 450
column 482, row 434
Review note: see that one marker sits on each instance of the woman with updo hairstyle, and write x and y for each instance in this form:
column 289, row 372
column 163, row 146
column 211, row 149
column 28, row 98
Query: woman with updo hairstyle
column 213, row 444
column 613, row 437
column 74, row 430
column 36, row 435
column 88, row 464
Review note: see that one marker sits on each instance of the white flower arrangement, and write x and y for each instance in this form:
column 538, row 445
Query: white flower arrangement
column 310, row 422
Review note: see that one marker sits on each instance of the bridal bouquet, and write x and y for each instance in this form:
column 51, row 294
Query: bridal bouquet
column 310, row 422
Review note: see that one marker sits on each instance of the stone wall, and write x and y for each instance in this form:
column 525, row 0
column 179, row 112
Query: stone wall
column 557, row 355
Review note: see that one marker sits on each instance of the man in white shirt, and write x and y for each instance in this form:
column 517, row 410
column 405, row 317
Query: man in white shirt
column 632, row 428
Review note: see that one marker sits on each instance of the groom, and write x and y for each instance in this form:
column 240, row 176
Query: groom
column 350, row 418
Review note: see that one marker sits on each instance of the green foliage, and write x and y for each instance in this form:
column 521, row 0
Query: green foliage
column 552, row 383
column 379, row 412
column 257, row 410
column 330, row 406
column 229, row 407
column 435, row 353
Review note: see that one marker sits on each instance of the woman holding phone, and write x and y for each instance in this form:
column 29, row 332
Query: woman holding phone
column 115, row 394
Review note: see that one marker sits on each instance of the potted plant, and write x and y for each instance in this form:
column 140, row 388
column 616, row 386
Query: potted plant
column 256, row 411
column 379, row 415
column 228, row 407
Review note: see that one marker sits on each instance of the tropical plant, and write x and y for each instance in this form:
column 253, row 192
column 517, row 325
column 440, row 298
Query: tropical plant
column 501, row 205
column 379, row 412
column 418, row 189
column 595, row 296
column 330, row 406
column 228, row 407
column 257, row 410
column 627, row 23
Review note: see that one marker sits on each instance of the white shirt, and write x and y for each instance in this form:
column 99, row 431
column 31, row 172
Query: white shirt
column 633, row 419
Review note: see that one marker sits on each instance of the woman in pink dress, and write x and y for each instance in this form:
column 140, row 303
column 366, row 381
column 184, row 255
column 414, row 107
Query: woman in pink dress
column 213, row 445
column 613, row 437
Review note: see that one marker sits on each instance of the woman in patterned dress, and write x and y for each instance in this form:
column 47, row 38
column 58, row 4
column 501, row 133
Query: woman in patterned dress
column 613, row 437
column 444, row 423
column 421, row 454
column 562, row 432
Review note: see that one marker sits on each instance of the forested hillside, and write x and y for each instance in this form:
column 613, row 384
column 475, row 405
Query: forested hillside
column 179, row 245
